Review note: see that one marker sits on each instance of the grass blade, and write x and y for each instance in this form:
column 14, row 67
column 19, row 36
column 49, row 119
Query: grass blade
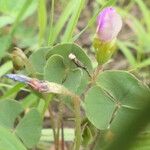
column 126, row 51
column 51, row 22
column 13, row 91
column 145, row 12
column 5, row 68
column 42, row 20
column 141, row 65
column 60, row 23
column 20, row 15
column 78, row 6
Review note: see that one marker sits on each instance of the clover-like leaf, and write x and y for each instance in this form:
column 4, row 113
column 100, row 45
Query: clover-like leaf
column 65, row 49
column 38, row 59
column 73, row 79
column 117, row 97
column 9, row 111
column 29, row 128
column 54, row 70
column 9, row 141
column 12, row 126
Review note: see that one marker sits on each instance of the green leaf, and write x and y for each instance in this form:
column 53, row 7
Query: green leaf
column 132, row 127
column 65, row 49
column 5, row 68
column 123, row 86
column 29, row 128
column 5, row 42
column 5, row 20
column 29, row 101
column 54, row 70
column 9, row 141
column 73, row 79
column 9, row 111
column 13, row 91
column 99, row 107
column 38, row 59
column 117, row 97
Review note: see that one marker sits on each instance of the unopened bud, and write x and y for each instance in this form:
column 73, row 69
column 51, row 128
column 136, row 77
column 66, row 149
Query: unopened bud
column 109, row 24
column 18, row 58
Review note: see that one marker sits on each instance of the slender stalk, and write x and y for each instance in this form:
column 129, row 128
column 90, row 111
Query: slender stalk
column 92, row 80
column 93, row 144
column 62, row 136
column 53, row 125
column 76, row 101
column 59, row 122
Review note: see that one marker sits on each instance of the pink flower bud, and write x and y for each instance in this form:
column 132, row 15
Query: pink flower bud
column 109, row 24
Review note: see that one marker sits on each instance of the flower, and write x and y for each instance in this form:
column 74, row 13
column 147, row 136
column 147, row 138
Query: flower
column 109, row 24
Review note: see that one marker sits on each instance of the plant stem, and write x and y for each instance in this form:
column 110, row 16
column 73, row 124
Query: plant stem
column 53, row 125
column 93, row 144
column 59, row 122
column 93, row 80
column 76, row 101
column 62, row 136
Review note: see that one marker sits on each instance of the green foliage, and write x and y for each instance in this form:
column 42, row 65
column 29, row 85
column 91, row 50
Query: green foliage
column 65, row 49
column 73, row 79
column 40, row 54
column 114, row 103
column 78, row 6
column 13, row 127
column 11, row 92
column 9, row 140
column 55, row 30
column 5, row 68
column 54, row 70
column 29, row 128
column 117, row 96
column 139, row 42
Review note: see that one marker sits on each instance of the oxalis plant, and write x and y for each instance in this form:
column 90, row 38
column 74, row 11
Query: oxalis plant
column 102, row 101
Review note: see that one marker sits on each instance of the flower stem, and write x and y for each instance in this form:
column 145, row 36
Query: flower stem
column 76, row 101
column 53, row 126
